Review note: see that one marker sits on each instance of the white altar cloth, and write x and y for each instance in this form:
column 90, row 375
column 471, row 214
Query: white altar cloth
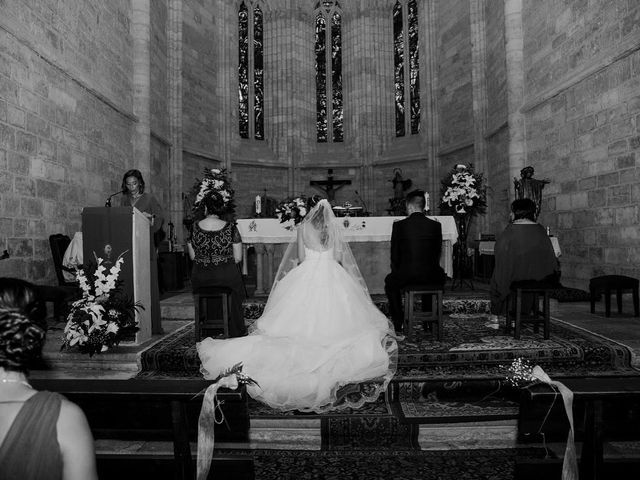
column 356, row 229
column 486, row 247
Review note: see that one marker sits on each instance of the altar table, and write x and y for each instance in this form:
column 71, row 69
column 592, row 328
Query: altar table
column 486, row 247
column 369, row 238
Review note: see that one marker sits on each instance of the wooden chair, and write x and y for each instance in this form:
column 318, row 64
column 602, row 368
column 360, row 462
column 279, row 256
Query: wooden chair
column 410, row 292
column 212, row 307
column 618, row 283
column 65, row 292
column 537, row 316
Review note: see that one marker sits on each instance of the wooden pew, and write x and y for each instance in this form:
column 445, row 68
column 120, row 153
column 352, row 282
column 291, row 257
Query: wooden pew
column 155, row 411
column 604, row 408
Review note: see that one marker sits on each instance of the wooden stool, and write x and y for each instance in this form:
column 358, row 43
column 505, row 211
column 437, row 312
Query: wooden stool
column 605, row 284
column 410, row 314
column 514, row 306
column 211, row 318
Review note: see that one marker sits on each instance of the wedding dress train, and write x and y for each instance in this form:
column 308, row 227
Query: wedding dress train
column 319, row 332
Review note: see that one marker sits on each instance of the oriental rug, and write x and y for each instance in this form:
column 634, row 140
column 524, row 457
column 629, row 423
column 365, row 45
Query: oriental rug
column 452, row 380
column 472, row 348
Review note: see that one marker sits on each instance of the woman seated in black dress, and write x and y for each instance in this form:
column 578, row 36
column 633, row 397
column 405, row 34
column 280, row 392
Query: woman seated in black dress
column 215, row 245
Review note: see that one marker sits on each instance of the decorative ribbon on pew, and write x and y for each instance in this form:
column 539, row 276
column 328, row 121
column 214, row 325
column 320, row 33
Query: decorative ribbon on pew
column 570, row 462
column 211, row 415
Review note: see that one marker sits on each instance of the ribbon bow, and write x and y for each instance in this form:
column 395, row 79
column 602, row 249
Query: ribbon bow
column 570, row 462
column 211, row 415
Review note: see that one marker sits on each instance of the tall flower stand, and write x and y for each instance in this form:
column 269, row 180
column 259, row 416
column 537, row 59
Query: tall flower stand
column 462, row 261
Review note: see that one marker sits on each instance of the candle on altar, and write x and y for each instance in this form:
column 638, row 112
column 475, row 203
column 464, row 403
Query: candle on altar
column 258, row 205
column 426, row 201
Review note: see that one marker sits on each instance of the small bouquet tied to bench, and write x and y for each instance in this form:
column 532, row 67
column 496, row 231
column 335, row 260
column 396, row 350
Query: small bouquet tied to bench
column 230, row 378
column 522, row 374
column 104, row 316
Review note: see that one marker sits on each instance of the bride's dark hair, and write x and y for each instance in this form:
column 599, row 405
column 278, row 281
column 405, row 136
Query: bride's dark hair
column 312, row 201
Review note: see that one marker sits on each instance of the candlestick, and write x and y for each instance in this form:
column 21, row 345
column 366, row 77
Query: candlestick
column 258, row 205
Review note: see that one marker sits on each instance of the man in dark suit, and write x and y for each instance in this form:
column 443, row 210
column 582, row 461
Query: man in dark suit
column 416, row 243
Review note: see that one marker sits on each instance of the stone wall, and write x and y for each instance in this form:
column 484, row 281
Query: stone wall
column 160, row 184
column 65, row 121
column 582, row 78
column 202, row 88
column 455, row 94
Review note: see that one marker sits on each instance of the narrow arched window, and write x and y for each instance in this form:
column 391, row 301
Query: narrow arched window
column 328, row 50
column 406, row 67
column 250, row 71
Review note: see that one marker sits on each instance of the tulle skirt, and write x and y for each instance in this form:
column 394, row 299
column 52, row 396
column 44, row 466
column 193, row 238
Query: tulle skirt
column 320, row 332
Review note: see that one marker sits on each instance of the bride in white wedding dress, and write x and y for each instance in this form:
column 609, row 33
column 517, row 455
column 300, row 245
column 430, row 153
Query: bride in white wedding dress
column 321, row 344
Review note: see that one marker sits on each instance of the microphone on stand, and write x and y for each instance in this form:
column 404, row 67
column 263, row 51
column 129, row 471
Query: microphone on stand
column 366, row 210
column 108, row 202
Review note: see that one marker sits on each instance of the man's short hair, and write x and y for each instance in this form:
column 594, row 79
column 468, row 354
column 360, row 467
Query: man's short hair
column 416, row 198
column 524, row 208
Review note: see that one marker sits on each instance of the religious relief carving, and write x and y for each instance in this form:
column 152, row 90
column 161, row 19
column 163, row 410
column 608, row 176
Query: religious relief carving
column 397, row 204
column 528, row 187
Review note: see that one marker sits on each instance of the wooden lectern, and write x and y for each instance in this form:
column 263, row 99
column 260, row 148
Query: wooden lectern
column 108, row 232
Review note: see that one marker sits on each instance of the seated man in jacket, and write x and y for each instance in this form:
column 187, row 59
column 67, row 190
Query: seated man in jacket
column 523, row 251
column 416, row 242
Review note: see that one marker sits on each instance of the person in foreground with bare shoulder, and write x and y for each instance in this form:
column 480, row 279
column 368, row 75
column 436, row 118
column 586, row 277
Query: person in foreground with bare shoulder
column 42, row 434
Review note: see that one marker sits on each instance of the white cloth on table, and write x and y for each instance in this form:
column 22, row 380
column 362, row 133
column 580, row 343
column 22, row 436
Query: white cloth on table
column 486, row 247
column 72, row 256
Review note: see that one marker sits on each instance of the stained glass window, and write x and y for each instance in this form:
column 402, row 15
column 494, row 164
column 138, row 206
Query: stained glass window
column 328, row 50
column 250, row 70
column 406, row 67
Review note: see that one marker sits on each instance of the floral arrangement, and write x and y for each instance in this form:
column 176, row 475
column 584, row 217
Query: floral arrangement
column 463, row 192
column 520, row 373
column 103, row 316
column 292, row 209
column 235, row 376
column 216, row 186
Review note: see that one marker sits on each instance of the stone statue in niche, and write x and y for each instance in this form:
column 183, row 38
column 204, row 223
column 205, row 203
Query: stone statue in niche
column 397, row 204
column 528, row 187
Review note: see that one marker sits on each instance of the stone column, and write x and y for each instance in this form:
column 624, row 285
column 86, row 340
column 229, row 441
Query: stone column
column 226, row 43
column 367, row 85
column 479, row 87
column 175, row 115
column 141, row 33
column 290, row 84
column 427, row 17
column 515, row 87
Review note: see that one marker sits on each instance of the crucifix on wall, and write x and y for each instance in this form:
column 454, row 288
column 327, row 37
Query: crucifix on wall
column 329, row 186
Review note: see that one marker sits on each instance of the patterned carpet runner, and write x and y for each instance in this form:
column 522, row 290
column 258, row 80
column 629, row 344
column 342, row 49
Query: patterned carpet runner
column 455, row 379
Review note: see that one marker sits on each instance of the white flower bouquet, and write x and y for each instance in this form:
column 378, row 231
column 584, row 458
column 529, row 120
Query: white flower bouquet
column 103, row 316
column 463, row 192
column 216, row 185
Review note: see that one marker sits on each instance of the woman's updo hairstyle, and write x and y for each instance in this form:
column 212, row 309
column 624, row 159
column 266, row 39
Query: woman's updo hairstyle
column 22, row 325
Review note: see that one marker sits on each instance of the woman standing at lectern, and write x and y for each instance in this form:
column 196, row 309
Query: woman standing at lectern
column 133, row 195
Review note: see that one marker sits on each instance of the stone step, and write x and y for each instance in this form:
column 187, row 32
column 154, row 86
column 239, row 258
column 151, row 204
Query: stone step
column 305, row 434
